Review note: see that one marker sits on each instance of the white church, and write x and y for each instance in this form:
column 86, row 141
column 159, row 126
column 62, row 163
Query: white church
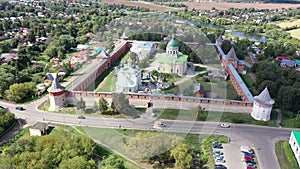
column 262, row 106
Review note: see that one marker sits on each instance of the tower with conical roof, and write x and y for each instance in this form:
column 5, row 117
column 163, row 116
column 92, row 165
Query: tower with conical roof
column 262, row 106
column 56, row 93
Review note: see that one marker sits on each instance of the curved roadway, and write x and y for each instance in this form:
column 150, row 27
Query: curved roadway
column 261, row 138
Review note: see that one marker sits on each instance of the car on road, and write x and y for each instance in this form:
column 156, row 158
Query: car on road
column 224, row 125
column 220, row 166
column 20, row 108
column 80, row 117
column 160, row 124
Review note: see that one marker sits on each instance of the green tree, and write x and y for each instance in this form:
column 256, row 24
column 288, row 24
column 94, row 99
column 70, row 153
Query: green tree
column 102, row 105
column 122, row 105
column 112, row 162
column 181, row 155
column 81, row 104
column 18, row 92
column 78, row 163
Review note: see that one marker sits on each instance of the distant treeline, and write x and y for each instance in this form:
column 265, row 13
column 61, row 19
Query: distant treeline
column 263, row 1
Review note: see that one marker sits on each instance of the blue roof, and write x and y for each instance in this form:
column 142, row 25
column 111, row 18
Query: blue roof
column 241, row 83
column 221, row 52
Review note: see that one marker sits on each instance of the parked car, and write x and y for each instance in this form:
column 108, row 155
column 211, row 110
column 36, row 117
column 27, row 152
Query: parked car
column 220, row 159
column 20, row 108
column 249, row 154
column 248, row 158
column 220, row 166
column 216, row 144
column 224, row 125
column 246, row 149
column 217, row 152
column 250, row 161
column 81, row 117
column 251, row 165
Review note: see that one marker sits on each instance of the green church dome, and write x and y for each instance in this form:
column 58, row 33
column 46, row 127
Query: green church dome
column 172, row 43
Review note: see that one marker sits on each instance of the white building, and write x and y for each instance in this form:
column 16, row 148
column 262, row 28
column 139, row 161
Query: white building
column 295, row 143
column 56, row 93
column 143, row 49
column 38, row 129
column 128, row 79
column 262, row 106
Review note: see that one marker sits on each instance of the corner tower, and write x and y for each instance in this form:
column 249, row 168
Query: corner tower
column 56, row 93
column 262, row 106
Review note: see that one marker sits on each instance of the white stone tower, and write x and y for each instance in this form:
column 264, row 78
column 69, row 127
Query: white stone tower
column 262, row 106
column 56, row 93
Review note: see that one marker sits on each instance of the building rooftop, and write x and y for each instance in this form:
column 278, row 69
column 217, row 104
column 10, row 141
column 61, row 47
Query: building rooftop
column 172, row 43
column 162, row 58
column 55, row 87
column 40, row 126
column 297, row 136
column 231, row 55
column 241, row 83
column 264, row 97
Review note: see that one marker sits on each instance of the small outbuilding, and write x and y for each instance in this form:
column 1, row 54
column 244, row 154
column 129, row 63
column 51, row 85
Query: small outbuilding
column 38, row 129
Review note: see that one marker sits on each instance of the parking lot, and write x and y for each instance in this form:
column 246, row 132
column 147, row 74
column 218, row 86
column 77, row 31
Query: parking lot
column 233, row 156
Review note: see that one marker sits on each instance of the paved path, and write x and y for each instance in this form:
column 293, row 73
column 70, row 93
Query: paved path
column 20, row 125
column 279, row 117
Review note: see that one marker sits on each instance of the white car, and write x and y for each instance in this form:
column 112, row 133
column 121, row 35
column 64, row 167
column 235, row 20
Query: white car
column 224, row 125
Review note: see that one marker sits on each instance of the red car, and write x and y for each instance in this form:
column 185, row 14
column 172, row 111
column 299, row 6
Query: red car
column 249, row 167
column 248, row 158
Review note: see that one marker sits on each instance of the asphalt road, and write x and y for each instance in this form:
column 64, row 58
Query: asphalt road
column 261, row 138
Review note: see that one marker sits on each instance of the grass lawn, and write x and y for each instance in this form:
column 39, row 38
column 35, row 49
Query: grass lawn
column 118, row 138
column 295, row 33
column 241, row 118
column 220, row 89
column 285, row 155
column 249, row 83
column 108, row 84
column 289, row 23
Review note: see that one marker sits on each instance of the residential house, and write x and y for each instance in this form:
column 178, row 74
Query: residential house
column 288, row 63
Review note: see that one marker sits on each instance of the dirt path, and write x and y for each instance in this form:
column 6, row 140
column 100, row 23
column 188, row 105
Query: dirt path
column 20, row 125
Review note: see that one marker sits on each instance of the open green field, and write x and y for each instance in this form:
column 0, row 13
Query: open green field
column 249, row 83
column 118, row 140
column 289, row 23
column 108, row 84
column 241, row 118
column 295, row 33
column 285, row 155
